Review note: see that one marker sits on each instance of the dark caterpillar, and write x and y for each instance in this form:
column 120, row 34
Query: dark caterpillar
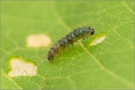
column 69, row 39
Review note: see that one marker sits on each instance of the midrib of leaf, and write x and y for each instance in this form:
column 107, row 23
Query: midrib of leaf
column 103, row 68
column 123, row 80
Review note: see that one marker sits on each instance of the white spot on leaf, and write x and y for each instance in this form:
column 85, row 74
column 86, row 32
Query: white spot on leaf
column 98, row 39
column 19, row 67
column 38, row 40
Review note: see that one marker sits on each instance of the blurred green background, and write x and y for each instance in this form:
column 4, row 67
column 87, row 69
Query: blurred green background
column 108, row 65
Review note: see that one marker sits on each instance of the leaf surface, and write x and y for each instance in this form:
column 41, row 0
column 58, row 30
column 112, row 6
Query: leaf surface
column 108, row 65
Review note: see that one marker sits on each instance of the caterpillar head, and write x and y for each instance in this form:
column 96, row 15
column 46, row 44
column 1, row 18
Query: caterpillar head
column 91, row 31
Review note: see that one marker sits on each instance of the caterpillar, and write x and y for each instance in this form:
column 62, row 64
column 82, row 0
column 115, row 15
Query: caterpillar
column 69, row 39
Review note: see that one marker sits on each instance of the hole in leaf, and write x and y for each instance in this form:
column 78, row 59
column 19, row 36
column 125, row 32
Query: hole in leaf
column 20, row 67
column 98, row 39
column 38, row 40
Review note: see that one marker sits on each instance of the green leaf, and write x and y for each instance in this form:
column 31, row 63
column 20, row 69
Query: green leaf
column 106, row 65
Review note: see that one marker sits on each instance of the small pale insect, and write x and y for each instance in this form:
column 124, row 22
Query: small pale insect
column 69, row 39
